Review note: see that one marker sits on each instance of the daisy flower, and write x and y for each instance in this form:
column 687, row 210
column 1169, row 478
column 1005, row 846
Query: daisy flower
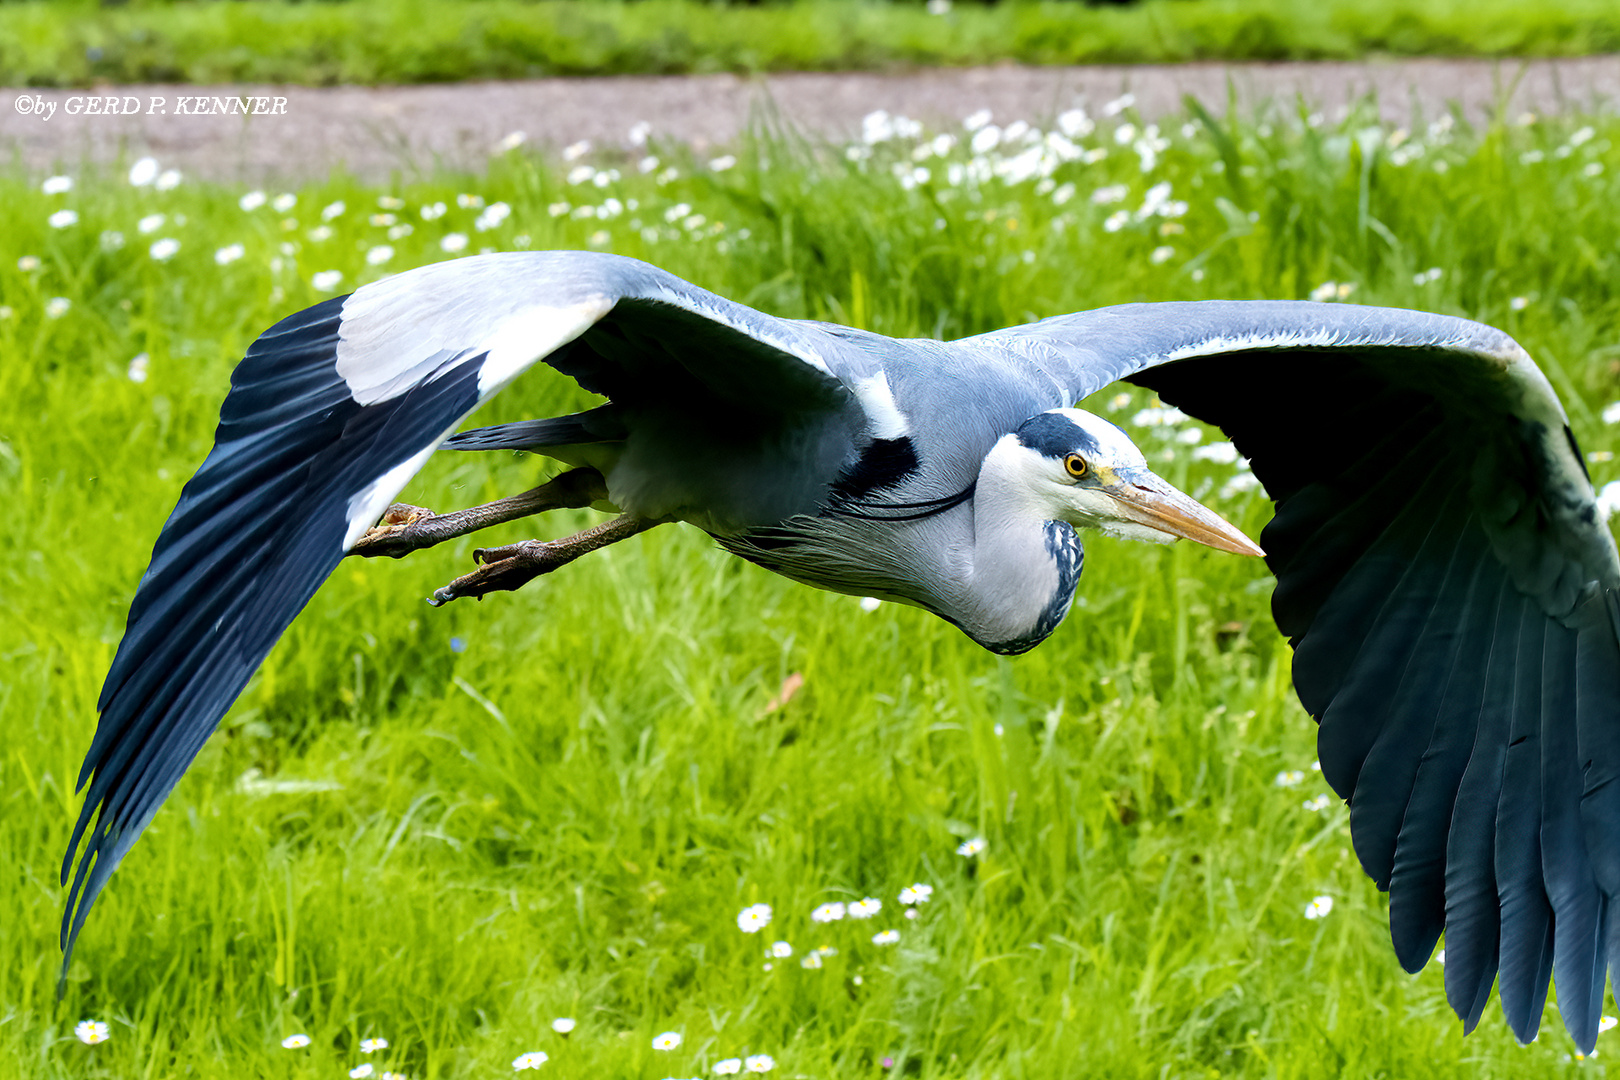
column 754, row 918
column 828, row 913
column 91, row 1032
column 969, row 848
column 760, row 1063
column 532, row 1060
column 562, row 1025
column 865, row 909
column 1319, row 907
column 916, row 894
column 887, row 937
column 295, row 1042
column 669, row 1040
column 368, row 1045
column 728, row 1066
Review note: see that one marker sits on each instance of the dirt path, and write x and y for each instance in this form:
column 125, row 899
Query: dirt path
column 376, row 131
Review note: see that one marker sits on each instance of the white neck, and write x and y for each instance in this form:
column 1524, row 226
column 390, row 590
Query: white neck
column 1015, row 584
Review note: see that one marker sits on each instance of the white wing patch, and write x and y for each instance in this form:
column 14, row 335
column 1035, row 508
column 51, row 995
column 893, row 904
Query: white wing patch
column 524, row 338
column 888, row 422
column 461, row 307
column 367, row 504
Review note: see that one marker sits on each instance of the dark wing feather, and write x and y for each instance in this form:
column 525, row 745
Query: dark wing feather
column 329, row 414
column 256, row 531
column 1450, row 593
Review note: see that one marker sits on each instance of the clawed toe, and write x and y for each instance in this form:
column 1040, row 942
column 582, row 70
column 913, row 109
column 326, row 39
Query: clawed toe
column 502, row 569
column 400, row 532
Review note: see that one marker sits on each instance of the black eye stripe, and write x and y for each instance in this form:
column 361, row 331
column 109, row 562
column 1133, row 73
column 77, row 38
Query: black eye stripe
column 1055, row 435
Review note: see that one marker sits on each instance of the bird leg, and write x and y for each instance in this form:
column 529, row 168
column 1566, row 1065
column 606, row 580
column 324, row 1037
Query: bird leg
column 511, row 567
column 405, row 528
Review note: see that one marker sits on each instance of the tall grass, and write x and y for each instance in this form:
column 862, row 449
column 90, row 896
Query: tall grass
column 448, row 827
column 77, row 42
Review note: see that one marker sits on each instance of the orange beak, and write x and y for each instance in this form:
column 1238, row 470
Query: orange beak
column 1147, row 500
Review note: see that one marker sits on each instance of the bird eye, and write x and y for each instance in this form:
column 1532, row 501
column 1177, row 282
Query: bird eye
column 1076, row 465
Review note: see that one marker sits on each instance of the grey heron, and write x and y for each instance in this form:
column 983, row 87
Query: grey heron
column 1443, row 571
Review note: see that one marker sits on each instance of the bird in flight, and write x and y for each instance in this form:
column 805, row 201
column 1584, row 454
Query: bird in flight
column 1443, row 571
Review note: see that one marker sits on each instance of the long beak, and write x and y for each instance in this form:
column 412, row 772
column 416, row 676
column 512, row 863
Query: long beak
column 1147, row 500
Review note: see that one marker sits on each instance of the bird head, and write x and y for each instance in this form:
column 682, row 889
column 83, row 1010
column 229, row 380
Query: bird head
column 1083, row 470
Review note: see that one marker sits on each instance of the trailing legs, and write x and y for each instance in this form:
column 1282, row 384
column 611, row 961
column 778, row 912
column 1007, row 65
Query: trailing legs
column 405, row 528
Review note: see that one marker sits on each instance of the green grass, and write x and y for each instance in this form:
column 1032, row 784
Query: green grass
column 565, row 817
column 78, row 43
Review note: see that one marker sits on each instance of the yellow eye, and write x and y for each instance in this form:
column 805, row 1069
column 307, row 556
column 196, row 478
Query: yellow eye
column 1076, row 465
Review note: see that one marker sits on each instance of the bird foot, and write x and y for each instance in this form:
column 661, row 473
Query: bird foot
column 506, row 569
column 403, row 529
column 511, row 567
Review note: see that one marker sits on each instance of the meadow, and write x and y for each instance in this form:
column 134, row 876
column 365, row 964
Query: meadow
column 84, row 42
column 450, row 829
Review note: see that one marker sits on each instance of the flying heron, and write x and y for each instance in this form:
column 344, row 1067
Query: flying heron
column 1443, row 571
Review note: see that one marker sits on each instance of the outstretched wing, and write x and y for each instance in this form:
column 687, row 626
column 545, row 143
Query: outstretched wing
column 1449, row 587
column 330, row 413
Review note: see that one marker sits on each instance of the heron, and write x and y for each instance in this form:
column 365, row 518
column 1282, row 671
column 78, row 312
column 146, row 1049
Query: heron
column 1443, row 572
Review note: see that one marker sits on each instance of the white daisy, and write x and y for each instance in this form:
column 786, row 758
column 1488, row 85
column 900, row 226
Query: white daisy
column 886, row 937
column 969, row 848
column 781, row 950
column 151, row 223
column 1319, row 907
column 295, row 1042
column 760, row 1063
column 229, row 254
column 379, row 255
column 167, row 180
column 360, row 1072
column 668, row 1040
column 754, row 918
column 57, row 185
column 143, row 172
column 865, row 909
column 252, row 200
column 91, row 1032
column 369, row 1045
column 562, row 1025
column 454, row 242
column 828, row 913
column 728, row 1066
column 165, row 249
column 63, row 218
column 532, row 1060
column 57, row 306
column 138, row 366
column 284, row 202
column 327, row 280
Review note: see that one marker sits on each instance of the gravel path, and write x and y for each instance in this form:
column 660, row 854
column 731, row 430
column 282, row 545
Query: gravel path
column 374, row 132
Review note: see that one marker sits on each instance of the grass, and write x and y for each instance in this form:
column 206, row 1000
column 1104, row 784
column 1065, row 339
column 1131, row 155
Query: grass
column 447, row 828
column 79, row 43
